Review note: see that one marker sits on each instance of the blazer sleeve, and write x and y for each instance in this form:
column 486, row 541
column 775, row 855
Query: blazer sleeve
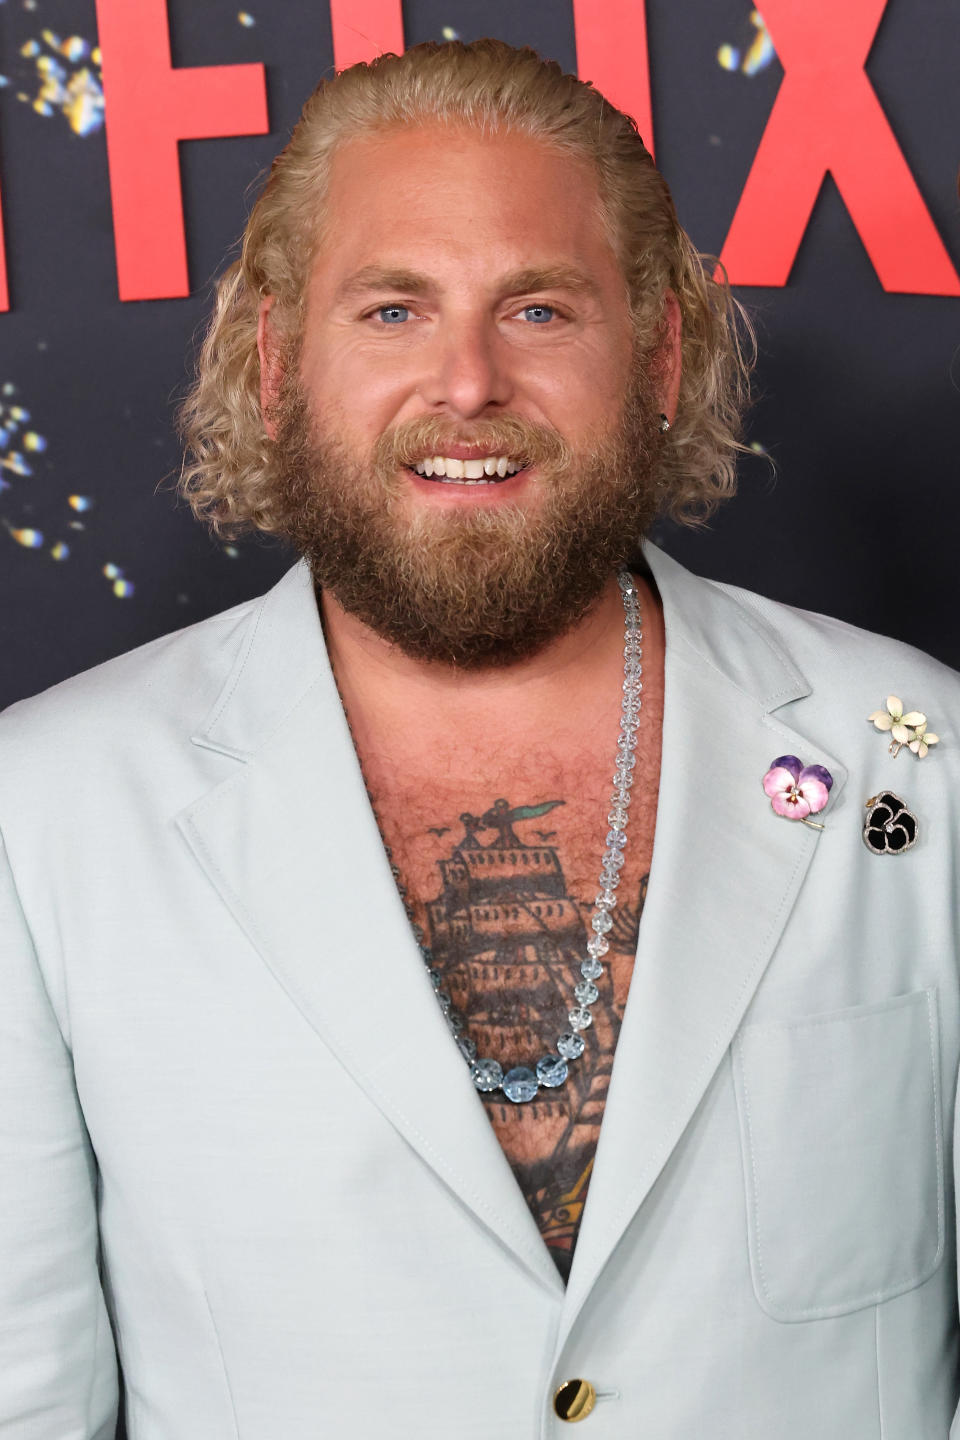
column 58, row 1369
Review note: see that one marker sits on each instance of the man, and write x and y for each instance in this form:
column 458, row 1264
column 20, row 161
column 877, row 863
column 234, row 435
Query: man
column 326, row 1024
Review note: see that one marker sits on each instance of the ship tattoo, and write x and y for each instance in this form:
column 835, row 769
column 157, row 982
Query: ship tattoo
column 508, row 938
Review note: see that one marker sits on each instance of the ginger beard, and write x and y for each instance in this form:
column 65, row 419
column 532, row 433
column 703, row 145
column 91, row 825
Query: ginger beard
column 468, row 587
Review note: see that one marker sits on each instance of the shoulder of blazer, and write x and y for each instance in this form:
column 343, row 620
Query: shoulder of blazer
column 176, row 677
column 734, row 630
column 122, row 722
column 852, row 671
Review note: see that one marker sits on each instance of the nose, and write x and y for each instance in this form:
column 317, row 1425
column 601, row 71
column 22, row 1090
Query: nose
column 468, row 369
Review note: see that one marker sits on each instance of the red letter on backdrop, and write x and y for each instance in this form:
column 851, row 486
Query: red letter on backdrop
column 148, row 107
column 827, row 117
column 364, row 29
column 611, row 46
column 612, row 53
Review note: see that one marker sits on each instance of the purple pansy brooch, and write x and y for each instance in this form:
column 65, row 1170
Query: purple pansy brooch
column 797, row 791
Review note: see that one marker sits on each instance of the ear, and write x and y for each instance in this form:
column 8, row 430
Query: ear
column 271, row 365
column 672, row 367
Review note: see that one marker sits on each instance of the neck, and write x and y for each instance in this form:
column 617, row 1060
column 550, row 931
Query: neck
column 387, row 692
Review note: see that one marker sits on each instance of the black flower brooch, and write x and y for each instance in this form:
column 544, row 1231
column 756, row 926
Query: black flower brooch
column 890, row 828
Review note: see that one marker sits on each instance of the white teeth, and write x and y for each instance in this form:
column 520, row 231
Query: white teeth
column 465, row 472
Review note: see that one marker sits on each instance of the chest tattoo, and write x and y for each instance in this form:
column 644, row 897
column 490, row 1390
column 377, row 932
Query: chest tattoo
column 508, row 937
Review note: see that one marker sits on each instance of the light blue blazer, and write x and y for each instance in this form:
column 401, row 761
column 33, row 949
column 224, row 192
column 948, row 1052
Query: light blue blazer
column 223, row 1073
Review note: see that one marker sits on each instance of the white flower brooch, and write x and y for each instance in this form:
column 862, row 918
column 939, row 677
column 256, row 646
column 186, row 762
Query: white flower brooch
column 910, row 729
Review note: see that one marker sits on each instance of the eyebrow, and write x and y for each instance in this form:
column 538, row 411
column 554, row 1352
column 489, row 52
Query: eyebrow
column 517, row 282
column 378, row 277
column 549, row 277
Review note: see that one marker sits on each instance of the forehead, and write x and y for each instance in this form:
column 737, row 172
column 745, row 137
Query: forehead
column 445, row 200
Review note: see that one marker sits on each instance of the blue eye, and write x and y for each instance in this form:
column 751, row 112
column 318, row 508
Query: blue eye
column 393, row 314
column 539, row 314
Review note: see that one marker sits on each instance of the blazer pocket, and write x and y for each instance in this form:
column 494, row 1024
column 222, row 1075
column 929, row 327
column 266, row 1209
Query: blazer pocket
column 842, row 1155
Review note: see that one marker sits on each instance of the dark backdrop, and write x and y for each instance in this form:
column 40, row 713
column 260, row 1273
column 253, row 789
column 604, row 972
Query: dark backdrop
column 858, row 401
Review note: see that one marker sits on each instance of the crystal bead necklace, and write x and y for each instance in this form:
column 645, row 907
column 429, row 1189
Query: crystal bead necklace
column 522, row 1082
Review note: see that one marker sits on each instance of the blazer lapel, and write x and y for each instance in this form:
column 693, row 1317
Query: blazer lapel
column 725, row 875
column 291, row 845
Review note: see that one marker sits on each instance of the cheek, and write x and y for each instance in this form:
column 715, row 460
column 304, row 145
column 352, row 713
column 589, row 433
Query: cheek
column 352, row 395
column 582, row 399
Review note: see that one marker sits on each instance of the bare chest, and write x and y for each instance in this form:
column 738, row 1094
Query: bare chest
column 501, row 863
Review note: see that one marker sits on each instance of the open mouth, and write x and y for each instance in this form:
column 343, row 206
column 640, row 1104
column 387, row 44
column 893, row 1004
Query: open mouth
column 484, row 470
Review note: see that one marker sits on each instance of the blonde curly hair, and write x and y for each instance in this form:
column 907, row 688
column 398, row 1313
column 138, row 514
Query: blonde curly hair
column 227, row 476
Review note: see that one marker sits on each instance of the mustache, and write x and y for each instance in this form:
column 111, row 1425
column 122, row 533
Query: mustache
column 509, row 435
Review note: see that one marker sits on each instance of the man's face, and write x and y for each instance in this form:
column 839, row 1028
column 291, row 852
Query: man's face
column 465, row 304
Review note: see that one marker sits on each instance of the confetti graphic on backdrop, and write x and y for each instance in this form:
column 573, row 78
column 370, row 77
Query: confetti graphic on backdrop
column 122, row 587
column 67, row 77
column 55, row 535
column 18, row 445
column 754, row 56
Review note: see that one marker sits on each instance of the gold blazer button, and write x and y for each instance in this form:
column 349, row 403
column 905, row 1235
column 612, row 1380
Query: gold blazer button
column 574, row 1400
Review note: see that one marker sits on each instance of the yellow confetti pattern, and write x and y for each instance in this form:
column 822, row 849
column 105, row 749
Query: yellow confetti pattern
column 13, row 417
column 30, row 539
column 69, row 80
column 758, row 54
column 728, row 57
column 19, row 445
